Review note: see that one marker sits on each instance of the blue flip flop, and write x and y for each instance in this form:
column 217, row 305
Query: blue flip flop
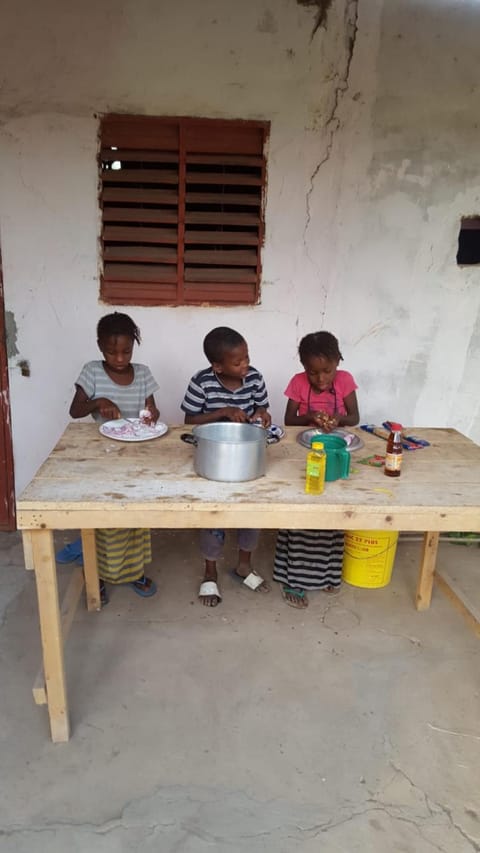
column 71, row 553
column 143, row 590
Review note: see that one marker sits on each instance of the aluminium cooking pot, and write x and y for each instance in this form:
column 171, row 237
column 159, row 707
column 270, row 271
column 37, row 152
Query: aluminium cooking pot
column 228, row 452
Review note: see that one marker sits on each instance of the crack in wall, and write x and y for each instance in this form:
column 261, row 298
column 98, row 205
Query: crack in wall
column 332, row 123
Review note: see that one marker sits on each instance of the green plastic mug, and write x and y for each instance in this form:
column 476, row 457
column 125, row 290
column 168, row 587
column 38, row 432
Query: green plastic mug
column 338, row 457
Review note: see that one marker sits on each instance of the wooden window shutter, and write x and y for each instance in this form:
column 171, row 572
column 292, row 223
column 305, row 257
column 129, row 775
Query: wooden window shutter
column 182, row 210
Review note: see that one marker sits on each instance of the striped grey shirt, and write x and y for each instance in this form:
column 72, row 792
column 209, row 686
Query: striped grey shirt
column 205, row 393
column 129, row 398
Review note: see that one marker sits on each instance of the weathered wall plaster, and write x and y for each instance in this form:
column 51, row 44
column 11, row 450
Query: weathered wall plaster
column 11, row 334
column 373, row 158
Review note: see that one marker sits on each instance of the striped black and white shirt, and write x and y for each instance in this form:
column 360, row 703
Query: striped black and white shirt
column 205, row 393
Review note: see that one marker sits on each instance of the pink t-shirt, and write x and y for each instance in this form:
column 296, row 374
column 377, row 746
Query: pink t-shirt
column 300, row 390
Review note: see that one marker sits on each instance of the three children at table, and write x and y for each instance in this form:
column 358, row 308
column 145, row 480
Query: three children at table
column 230, row 389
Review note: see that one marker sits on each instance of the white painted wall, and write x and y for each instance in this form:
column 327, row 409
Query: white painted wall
column 368, row 178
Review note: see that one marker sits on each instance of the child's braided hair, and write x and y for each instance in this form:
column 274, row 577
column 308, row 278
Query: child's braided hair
column 319, row 344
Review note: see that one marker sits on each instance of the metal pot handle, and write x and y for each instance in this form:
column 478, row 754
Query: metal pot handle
column 188, row 438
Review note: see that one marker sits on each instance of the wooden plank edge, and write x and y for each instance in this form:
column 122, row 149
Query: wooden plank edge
column 266, row 514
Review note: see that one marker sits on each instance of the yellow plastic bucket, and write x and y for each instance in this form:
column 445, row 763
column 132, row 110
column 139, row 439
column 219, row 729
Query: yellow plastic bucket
column 368, row 557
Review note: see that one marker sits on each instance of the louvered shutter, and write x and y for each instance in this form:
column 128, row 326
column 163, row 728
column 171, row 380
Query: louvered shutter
column 182, row 210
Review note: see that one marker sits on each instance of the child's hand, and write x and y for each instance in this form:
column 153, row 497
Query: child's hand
column 149, row 415
column 325, row 421
column 107, row 409
column 234, row 414
column 263, row 416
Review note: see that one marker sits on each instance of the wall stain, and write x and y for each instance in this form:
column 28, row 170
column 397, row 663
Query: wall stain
column 11, row 332
column 323, row 7
column 24, row 366
column 267, row 24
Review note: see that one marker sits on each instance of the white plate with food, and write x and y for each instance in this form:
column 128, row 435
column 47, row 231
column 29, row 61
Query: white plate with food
column 132, row 429
column 354, row 442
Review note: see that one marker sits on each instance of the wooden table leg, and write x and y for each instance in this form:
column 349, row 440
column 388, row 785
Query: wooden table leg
column 43, row 553
column 467, row 608
column 68, row 607
column 427, row 570
column 90, row 570
column 27, row 549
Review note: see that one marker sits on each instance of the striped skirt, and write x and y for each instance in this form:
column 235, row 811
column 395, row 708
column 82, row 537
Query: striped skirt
column 309, row 559
column 122, row 554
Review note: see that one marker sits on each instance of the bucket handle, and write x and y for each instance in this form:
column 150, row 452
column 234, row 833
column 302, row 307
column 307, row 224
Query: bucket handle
column 188, row 438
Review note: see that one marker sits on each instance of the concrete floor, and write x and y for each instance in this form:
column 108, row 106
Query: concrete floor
column 250, row 728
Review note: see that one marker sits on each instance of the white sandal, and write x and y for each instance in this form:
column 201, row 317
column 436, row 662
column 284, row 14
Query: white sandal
column 253, row 581
column 209, row 588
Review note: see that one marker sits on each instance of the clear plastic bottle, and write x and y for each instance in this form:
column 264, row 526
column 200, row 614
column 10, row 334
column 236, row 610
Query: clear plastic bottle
column 393, row 458
column 315, row 471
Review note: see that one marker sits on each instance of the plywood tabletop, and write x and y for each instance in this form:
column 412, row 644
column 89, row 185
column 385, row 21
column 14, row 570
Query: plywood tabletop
column 92, row 481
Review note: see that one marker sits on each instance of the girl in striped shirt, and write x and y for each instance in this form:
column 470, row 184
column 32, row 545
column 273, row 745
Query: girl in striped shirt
column 107, row 390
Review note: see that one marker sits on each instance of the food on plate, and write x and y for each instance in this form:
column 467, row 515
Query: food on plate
column 122, row 428
column 132, row 429
column 145, row 416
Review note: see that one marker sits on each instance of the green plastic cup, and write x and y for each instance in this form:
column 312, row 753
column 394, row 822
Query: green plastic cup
column 338, row 457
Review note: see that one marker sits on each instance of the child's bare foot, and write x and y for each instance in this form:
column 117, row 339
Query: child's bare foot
column 332, row 590
column 295, row 597
column 246, row 574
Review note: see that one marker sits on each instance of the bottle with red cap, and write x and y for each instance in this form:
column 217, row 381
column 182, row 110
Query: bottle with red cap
column 393, row 458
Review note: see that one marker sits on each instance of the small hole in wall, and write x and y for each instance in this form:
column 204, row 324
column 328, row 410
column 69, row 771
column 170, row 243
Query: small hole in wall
column 469, row 241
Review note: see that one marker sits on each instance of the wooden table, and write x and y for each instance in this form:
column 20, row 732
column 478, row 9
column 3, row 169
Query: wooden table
column 91, row 482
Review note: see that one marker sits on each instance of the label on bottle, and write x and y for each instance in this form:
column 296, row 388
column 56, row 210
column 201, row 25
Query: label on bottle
column 393, row 461
column 315, row 473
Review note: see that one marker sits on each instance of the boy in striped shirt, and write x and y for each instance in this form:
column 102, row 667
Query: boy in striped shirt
column 229, row 390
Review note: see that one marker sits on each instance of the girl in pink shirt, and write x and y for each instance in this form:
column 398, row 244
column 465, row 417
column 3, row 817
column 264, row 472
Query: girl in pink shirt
column 325, row 397
column 321, row 395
